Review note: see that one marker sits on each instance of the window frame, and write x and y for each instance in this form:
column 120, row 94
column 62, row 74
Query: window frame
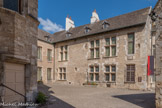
column 129, row 80
column 133, row 43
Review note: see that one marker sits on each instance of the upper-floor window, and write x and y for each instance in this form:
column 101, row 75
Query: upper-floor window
column 110, row 47
column 64, row 53
column 14, row 5
column 39, row 53
column 105, row 24
column 131, row 43
column 87, row 29
column 49, row 55
column 95, row 49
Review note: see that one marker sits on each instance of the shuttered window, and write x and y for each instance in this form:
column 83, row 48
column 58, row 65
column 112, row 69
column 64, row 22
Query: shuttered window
column 130, row 75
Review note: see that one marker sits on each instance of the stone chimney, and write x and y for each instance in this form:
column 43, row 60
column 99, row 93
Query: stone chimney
column 95, row 17
column 69, row 23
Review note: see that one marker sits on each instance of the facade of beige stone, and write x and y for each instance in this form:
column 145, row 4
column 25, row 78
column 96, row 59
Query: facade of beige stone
column 45, row 66
column 18, row 50
column 74, row 64
column 157, row 32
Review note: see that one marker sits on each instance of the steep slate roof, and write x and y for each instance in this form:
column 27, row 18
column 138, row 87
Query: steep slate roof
column 127, row 20
column 42, row 34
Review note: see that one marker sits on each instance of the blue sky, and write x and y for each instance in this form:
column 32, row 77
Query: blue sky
column 52, row 13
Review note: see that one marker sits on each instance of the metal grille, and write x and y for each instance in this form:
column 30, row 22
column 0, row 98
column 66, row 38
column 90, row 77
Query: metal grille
column 11, row 4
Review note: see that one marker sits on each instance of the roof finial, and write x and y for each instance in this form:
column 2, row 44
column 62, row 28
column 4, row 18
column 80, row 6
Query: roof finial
column 70, row 17
column 67, row 16
column 94, row 10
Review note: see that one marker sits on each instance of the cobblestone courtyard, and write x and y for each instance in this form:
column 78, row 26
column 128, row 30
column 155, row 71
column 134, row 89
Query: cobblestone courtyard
column 67, row 96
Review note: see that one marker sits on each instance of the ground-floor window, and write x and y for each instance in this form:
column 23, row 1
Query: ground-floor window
column 49, row 73
column 39, row 74
column 110, row 73
column 94, row 73
column 130, row 74
column 62, row 73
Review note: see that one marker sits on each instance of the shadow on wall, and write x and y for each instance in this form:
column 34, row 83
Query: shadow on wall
column 145, row 100
column 53, row 102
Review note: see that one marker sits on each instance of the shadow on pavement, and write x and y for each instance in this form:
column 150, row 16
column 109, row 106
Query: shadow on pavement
column 53, row 102
column 146, row 100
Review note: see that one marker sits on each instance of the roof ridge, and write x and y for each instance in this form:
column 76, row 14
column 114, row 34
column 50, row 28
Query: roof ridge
column 107, row 19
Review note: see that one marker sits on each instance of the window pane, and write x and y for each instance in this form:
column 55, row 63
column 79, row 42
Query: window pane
column 60, row 76
column 49, row 55
column 60, row 69
column 64, row 76
column 49, row 74
column 62, row 48
column 39, row 74
column 113, row 77
column 97, row 77
column 107, row 77
column 66, row 54
column 39, row 53
column 107, row 51
column 61, row 56
column 113, row 68
column 114, row 51
column 107, row 68
column 97, row 69
column 107, row 41
column 11, row 4
column 66, row 47
column 92, row 69
column 64, row 69
column 130, row 48
column 97, row 43
column 130, row 73
column 91, row 77
column 92, row 53
column 92, row 44
column 131, row 44
column 113, row 40
column 97, row 53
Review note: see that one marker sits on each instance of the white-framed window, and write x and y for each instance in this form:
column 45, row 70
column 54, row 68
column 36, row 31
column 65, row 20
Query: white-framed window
column 62, row 73
column 110, row 73
column 94, row 73
column 110, row 47
column 95, row 49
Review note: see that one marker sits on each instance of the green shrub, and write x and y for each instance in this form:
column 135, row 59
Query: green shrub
column 90, row 83
column 41, row 98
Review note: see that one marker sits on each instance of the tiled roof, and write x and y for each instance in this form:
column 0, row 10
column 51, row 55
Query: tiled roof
column 118, row 22
column 42, row 34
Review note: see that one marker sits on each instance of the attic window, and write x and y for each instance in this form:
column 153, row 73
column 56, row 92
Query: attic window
column 47, row 38
column 68, row 34
column 87, row 29
column 105, row 24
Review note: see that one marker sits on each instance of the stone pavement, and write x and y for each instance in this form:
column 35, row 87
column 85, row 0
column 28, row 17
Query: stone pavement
column 68, row 96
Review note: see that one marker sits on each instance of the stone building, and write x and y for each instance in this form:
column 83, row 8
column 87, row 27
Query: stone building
column 157, row 32
column 111, row 52
column 18, row 49
column 45, row 57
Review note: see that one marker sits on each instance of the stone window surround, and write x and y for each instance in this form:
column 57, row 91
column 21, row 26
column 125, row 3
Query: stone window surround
column 134, row 44
column 63, row 53
column 110, row 72
column 94, row 48
column 126, row 74
column 62, row 73
column 94, row 73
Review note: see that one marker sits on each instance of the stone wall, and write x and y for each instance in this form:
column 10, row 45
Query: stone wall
column 18, row 41
column 78, row 63
column 158, row 23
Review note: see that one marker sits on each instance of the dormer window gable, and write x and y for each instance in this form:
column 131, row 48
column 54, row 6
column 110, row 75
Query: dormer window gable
column 68, row 34
column 47, row 38
column 87, row 29
column 105, row 25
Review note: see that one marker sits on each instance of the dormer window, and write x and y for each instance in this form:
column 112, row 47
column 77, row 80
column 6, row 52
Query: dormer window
column 105, row 25
column 87, row 29
column 68, row 34
column 47, row 38
column 14, row 5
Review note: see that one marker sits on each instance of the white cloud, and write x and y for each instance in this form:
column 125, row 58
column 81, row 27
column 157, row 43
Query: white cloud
column 50, row 26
